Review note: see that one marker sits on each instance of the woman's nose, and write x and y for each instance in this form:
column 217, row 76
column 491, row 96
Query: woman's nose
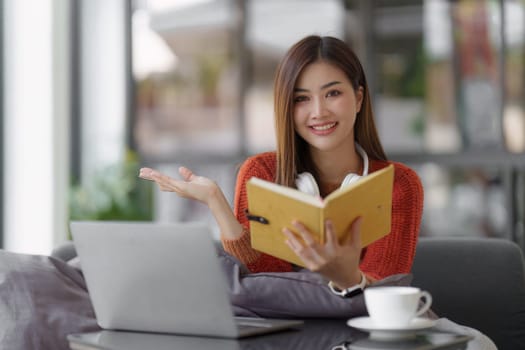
column 318, row 107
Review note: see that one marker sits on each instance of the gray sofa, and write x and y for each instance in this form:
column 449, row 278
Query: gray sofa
column 476, row 282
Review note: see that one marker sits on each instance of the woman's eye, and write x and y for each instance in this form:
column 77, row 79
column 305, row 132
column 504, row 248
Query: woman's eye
column 333, row 93
column 299, row 99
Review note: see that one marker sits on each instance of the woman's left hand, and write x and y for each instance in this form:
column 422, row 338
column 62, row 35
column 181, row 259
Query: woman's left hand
column 338, row 262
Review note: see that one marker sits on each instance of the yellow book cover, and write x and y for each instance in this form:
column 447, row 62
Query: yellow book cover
column 272, row 207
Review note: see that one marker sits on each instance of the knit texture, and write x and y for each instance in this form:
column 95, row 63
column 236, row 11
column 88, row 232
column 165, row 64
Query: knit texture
column 392, row 254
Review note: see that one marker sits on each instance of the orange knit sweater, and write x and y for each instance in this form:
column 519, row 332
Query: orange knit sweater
column 392, row 254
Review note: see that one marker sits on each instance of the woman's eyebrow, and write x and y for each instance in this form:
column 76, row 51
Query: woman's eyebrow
column 325, row 86
column 332, row 83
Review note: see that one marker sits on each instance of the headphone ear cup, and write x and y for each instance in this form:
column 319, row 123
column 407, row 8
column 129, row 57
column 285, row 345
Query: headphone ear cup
column 349, row 179
column 306, row 183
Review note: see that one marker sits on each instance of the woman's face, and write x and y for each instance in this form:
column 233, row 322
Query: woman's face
column 325, row 107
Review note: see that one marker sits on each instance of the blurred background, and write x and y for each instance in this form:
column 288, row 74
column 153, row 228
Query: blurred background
column 94, row 89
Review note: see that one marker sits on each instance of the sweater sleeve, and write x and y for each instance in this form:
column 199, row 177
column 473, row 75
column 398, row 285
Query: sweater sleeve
column 395, row 252
column 261, row 166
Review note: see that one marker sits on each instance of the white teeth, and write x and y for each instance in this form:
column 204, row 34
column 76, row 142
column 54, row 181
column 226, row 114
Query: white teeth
column 324, row 127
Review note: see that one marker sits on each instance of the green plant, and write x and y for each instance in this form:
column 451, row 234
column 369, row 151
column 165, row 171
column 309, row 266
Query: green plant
column 209, row 73
column 113, row 193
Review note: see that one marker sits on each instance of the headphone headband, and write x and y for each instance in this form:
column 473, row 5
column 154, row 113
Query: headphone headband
column 364, row 156
column 305, row 182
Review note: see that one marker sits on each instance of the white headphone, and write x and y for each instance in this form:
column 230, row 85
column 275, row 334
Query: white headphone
column 305, row 182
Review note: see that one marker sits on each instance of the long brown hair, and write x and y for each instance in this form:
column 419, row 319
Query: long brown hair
column 293, row 156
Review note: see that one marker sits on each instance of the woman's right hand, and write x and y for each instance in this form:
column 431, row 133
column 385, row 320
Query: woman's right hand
column 202, row 189
column 191, row 186
column 336, row 261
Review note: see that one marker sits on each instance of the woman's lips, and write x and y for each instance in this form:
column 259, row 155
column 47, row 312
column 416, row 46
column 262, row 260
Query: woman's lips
column 323, row 129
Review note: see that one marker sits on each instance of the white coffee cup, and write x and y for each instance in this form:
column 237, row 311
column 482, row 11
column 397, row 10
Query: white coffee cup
column 395, row 307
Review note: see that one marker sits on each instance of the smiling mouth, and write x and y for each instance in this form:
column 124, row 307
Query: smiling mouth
column 323, row 127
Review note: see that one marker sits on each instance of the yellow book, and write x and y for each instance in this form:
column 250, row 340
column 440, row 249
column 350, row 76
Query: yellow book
column 272, row 207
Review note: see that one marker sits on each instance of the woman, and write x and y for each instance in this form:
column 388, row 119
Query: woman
column 325, row 128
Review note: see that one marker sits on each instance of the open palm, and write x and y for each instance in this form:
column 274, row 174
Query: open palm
column 191, row 186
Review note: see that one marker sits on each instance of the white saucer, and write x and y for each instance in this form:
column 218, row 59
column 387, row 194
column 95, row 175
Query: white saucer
column 366, row 324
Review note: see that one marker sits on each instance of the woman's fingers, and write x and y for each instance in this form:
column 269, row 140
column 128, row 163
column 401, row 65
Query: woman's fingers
column 305, row 234
column 296, row 245
column 331, row 237
column 304, row 246
column 190, row 186
column 333, row 259
column 186, row 173
column 291, row 240
column 150, row 174
column 164, row 182
column 145, row 173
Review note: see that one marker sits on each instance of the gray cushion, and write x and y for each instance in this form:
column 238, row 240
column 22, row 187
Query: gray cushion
column 64, row 251
column 42, row 299
column 301, row 294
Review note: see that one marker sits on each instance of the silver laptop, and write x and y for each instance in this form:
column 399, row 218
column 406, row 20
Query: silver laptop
column 163, row 278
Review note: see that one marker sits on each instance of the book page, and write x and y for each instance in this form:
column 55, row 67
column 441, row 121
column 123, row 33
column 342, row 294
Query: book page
column 370, row 198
